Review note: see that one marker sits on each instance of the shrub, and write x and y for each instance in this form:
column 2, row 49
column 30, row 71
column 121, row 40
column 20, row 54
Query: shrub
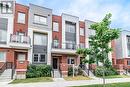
column 77, row 71
column 108, row 71
column 38, row 71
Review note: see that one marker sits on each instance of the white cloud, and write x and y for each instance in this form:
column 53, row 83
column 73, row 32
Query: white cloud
column 96, row 9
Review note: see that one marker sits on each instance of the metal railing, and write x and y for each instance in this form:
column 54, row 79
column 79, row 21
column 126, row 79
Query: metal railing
column 70, row 46
column 20, row 39
column 8, row 65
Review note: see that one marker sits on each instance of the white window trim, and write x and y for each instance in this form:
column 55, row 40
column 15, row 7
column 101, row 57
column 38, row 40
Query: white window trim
column 82, row 32
column 39, row 57
column 55, row 27
column 38, row 21
column 24, row 19
column 70, row 58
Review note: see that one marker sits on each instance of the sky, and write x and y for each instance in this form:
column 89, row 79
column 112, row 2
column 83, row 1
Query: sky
column 94, row 10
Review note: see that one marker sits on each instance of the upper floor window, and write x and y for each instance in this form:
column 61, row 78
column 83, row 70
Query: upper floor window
column 70, row 27
column 82, row 32
column 55, row 43
column 21, row 18
column 55, row 26
column 40, row 39
column 3, row 30
column 40, row 19
column 6, row 7
column 82, row 45
column 128, row 45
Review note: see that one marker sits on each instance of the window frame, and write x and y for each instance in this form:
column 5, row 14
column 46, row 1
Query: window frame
column 22, row 55
column 19, row 21
column 82, row 32
column 39, row 57
column 57, row 27
column 38, row 21
column 69, row 60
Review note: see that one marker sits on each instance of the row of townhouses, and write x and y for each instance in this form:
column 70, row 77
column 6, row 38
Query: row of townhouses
column 34, row 35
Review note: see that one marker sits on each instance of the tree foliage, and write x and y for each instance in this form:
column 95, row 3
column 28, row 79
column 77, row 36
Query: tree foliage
column 99, row 43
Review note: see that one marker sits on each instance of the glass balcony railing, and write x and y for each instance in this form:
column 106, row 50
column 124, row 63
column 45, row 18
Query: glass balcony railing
column 20, row 39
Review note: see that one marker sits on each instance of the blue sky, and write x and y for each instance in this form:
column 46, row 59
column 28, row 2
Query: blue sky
column 93, row 10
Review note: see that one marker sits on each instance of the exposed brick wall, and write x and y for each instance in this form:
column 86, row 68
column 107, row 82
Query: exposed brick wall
column 57, row 35
column 82, row 38
column 113, row 52
column 9, row 54
column 19, row 27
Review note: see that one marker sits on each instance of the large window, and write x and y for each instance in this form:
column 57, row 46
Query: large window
column 40, row 39
column 70, row 27
column 21, row 18
column 128, row 62
column 2, row 56
column 82, row 33
column 39, row 58
column 3, row 30
column 55, row 26
column 40, row 19
column 71, row 60
column 128, row 45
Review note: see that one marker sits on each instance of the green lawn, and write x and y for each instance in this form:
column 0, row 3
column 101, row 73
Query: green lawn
column 70, row 78
column 109, row 85
column 117, row 76
column 32, row 80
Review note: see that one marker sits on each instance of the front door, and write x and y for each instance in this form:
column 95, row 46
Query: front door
column 55, row 63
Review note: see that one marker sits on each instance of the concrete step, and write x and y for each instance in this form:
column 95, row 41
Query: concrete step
column 57, row 74
column 6, row 74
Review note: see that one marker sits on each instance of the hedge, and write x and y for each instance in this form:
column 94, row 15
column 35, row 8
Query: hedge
column 34, row 71
column 108, row 71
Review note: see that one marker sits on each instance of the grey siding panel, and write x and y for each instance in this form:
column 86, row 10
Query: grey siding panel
column 34, row 9
column 70, row 36
column 39, row 49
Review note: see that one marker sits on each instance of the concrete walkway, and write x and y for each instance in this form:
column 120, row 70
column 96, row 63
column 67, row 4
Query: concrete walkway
column 66, row 83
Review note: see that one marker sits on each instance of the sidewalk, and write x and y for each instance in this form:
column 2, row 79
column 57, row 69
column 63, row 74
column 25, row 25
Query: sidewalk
column 67, row 83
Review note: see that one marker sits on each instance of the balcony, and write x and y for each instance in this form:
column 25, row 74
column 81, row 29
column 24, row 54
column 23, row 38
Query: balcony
column 66, row 48
column 19, row 41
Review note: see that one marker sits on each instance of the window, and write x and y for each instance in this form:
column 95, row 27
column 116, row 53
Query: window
column 40, row 39
column 82, row 45
column 70, row 27
column 55, row 43
column 21, row 57
column 128, row 62
column 40, row 19
column 35, row 57
column 3, row 30
column 55, row 26
column 71, row 60
column 2, row 56
column 128, row 45
column 82, row 33
column 21, row 18
column 39, row 58
column 6, row 7
column 3, row 35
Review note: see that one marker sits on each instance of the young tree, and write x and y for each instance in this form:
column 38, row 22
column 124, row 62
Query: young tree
column 99, row 43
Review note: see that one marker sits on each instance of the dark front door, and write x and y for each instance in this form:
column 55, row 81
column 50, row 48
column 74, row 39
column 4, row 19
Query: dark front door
column 55, row 63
